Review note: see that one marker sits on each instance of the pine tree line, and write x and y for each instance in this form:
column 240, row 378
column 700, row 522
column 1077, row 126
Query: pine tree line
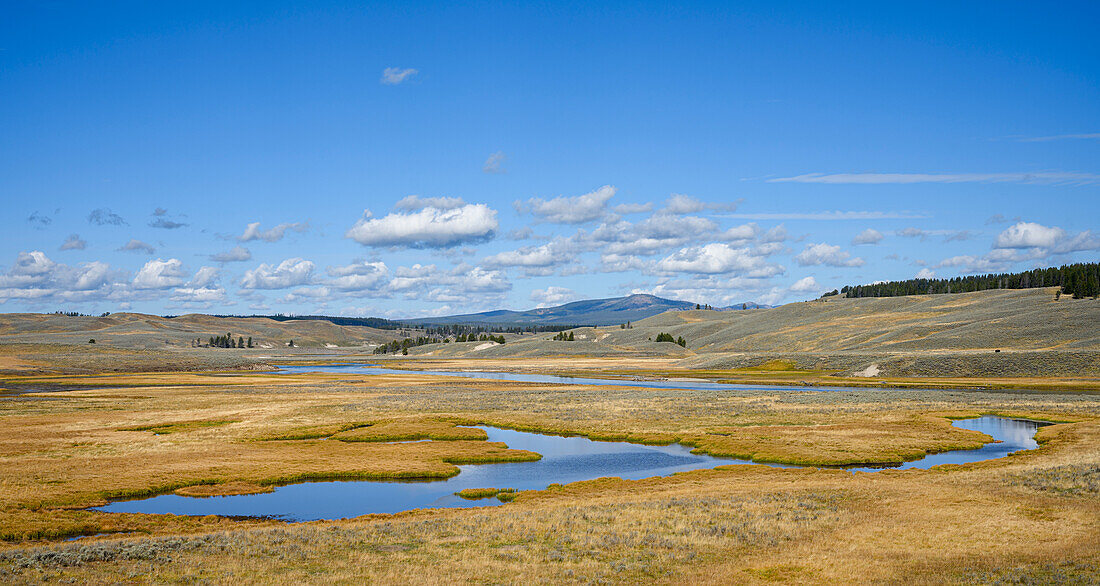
column 227, row 341
column 1080, row 280
column 664, row 337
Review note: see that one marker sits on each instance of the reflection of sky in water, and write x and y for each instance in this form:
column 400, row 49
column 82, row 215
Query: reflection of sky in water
column 547, row 378
column 565, row 460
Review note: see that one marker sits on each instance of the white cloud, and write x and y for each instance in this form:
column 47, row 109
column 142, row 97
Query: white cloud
column 462, row 284
column 827, row 254
column 396, row 75
column 235, row 254
column 135, row 245
column 573, row 210
column 743, row 232
column 199, row 296
column 718, row 258
column 204, row 277
column 868, row 236
column 926, row 274
column 289, row 273
column 678, row 203
column 1044, row 241
column 359, row 276
column 546, row 255
column 35, row 278
column 412, row 203
column 633, row 208
column 253, row 232
column 551, row 296
column 73, row 242
column 495, row 163
column 428, row 227
column 160, row 274
column 775, row 234
column 1029, row 235
column 805, row 285
column 1043, row 177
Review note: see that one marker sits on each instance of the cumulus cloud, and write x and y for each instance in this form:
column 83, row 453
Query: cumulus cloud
column 73, row 242
column 459, row 284
column 868, row 236
column 654, row 234
column 775, row 234
column 528, row 256
column 202, row 290
column 253, row 232
column 740, row 233
column 572, row 210
column 135, row 245
column 429, row 227
column 396, row 75
column 805, row 285
column 1029, row 235
column 105, row 217
column 1045, row 177
column 412, row 203
column 495, row 163
column 359, row 276
column 718, row 258
column 633, row 208
column 827, row 254
column 160, row 274
column 926, row 274
column 551, row 296
column 235, row 254
column 289, row 273
column 1045, row 240
column 34, row 278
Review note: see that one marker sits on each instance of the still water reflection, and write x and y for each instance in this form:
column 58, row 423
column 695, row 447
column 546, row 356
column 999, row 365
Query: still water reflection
column 565, row 459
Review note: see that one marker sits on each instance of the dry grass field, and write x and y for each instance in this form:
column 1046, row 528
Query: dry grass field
column 82, row 424
column 1034, row 516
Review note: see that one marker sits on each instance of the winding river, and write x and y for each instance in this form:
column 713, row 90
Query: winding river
column 565, row 460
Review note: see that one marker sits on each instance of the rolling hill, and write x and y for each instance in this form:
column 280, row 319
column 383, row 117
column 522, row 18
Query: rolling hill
column 591, row 312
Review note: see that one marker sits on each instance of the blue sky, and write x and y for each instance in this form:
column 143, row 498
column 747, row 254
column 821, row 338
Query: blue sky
column 170, row 158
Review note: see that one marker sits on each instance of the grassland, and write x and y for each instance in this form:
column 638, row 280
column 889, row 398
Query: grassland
column 1033, row 515
column 81, row 424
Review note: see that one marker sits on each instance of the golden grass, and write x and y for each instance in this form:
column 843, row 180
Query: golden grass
column 1033, row 514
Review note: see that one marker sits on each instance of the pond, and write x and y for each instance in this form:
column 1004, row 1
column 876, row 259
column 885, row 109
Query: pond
column 565, row 460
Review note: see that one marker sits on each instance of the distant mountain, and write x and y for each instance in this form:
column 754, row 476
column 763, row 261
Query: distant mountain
column 591, row 312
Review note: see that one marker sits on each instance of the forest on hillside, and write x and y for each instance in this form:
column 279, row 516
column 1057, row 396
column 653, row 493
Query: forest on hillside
column 1079, row 280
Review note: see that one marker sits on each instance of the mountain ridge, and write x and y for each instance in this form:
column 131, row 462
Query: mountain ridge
column 591, row 312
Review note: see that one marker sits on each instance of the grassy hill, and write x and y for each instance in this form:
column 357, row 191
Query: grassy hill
column 921, row 335
column 596, row 312
column 140, row 331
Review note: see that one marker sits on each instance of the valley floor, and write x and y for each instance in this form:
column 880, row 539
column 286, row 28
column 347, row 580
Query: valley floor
column 1031, row 517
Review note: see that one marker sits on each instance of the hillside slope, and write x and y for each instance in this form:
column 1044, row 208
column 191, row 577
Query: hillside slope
column 611, row 311
column 140, row 331
column 924, row 335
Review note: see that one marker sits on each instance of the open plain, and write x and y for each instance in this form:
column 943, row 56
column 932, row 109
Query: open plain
column 81, row 425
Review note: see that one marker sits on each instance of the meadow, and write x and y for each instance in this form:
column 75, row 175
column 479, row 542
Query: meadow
column 1033, row 516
